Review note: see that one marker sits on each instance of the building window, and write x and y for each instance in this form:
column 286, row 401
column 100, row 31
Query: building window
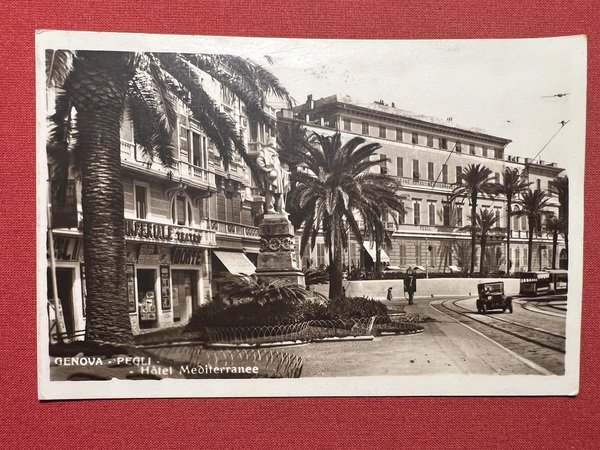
column 445, row 173
column 517, row 259
column 347, row 125
column 444, row 143
column 382, row 132
column 446, row 214
column 418, row 259
column 402, row 216
column 538, row 184
column 459, row 175
column 181, row 210
column 417, row 213
column 429, row 141
column 399, row 166
column 432, row 214
column 430, row 171
column 459, row 216
column 197, row 156
column 399, row 134
column 497, row 212
column 525, row 254
column 402, row 251
column 472, row 149
column 516, row 221
column 320, row 255
column 365, row 128
column 415, row 138
column 383, row 164
column 458, row 147
column 141, row 202
column 416, row 174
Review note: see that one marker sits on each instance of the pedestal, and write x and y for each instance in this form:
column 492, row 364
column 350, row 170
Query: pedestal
column 276, row 259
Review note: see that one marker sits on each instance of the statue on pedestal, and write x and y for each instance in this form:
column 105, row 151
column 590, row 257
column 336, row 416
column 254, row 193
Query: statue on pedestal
column 276, row 178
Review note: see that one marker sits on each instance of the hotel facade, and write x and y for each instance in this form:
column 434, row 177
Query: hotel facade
column 427, row 156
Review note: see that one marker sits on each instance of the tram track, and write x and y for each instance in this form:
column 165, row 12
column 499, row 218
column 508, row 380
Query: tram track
column 543, row 338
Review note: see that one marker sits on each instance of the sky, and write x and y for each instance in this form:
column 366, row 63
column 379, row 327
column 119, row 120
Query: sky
column 504, row 87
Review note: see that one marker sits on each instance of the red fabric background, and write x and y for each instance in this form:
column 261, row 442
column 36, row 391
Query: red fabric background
column 257, row 423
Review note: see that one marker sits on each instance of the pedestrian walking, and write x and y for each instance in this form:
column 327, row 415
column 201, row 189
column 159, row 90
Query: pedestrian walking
column 389, row 294
column 410, row 285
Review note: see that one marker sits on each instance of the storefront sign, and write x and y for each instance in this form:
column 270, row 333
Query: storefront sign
column 148, row 254
column 129, row 270
column 187, row 256
column 163, row 232
column 164, row 287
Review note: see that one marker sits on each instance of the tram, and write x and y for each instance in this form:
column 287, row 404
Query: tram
column 550, row 281
column 534, row 283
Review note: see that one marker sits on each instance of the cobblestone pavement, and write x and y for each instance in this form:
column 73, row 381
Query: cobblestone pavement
column 445, row 347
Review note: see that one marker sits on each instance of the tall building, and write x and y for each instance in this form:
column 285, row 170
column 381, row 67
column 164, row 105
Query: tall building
column 184, row 226
column 428, row 156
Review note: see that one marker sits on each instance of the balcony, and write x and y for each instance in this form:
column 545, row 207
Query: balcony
column 164, row 233
column 425, row 184
column 133, row 159
column 233, row 229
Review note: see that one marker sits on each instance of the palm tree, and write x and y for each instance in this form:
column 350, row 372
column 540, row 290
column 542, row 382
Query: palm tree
column 98, row 85
column 476, row 180
column 533, row 204
column 485, row 223
column 334, row 184
column 448, row 246
column 555, row 226
column 560, row 187
column 513, row 185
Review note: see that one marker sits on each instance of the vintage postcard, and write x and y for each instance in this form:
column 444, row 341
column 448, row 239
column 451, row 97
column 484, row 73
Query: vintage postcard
column 224, row 217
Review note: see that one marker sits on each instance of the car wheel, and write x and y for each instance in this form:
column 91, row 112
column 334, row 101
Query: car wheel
column 483, row 309
column 510, row 308
column 504, row 309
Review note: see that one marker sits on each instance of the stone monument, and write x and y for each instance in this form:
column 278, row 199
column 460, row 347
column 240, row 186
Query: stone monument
column 276, row 260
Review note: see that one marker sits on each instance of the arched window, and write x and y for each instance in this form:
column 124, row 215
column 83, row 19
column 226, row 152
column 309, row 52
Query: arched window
column 181, row 210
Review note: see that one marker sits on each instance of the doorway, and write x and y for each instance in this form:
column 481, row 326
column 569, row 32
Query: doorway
column 185, row 294
column 146, row 289
column 65, row 278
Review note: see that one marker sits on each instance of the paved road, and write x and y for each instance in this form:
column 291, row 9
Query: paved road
column 455, row 342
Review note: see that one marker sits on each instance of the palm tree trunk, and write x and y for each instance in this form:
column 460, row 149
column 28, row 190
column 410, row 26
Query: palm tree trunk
column 335, row 270
column 100, row 95
column 554, row 248
column 482, row 256
column 473, row 231
column 508, row 232
column 530, row 222
column 377, row 256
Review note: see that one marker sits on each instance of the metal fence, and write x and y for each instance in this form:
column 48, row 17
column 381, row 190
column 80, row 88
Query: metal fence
column 198, row 362
column 312, row 331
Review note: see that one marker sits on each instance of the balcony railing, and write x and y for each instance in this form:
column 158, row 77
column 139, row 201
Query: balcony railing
column 233, row 229
column 145, row 230
column 418, row 182
column 132, row 158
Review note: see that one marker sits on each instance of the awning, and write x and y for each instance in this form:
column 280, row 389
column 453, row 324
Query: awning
column 370, row 248
column 236, row 262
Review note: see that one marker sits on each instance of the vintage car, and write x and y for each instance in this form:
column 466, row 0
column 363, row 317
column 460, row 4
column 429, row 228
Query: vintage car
column 491, row 296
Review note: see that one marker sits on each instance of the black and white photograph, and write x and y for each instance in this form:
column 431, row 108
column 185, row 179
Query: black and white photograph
column 240, row 217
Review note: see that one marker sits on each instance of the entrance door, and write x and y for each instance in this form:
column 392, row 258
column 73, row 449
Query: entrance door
column 184, row 293
column 65, row 277
column 146, row 284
